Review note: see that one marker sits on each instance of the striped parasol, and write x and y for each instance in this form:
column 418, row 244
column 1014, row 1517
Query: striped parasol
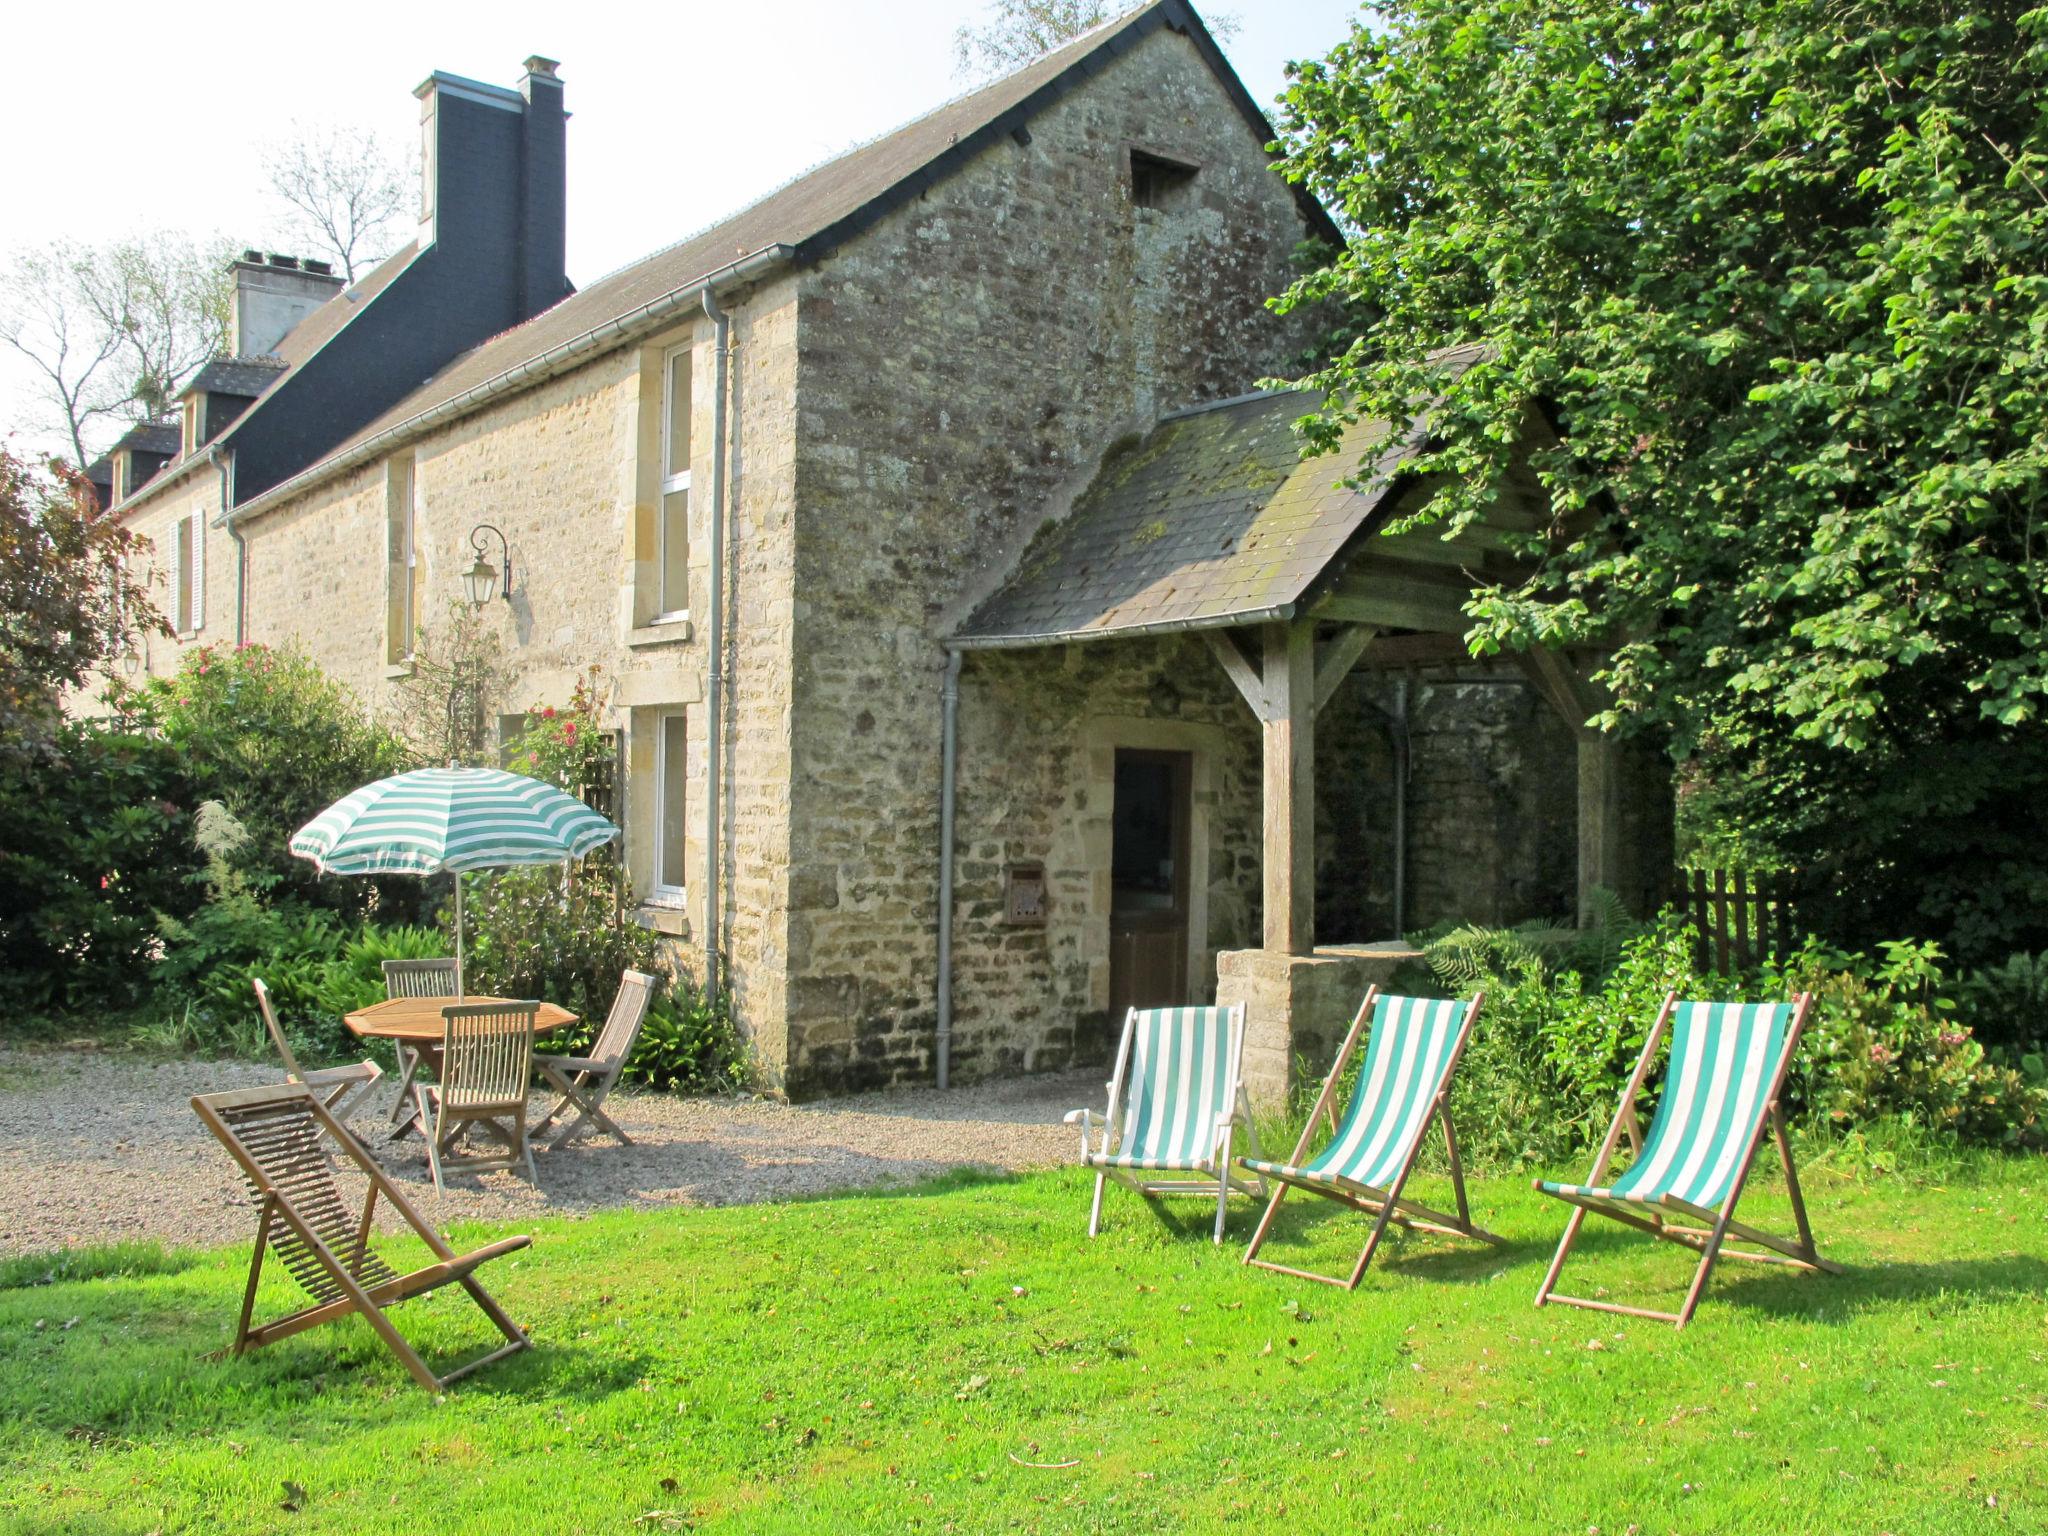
column 456, row 819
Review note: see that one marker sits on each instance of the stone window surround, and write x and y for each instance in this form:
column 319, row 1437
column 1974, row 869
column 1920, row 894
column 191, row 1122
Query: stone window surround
column 640, row 700
column 672, row 480
column 1100, row 738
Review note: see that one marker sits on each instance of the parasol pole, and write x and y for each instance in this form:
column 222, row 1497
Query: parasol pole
column 460, row 989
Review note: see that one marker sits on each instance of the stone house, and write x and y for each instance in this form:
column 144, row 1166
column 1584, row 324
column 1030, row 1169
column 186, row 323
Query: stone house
column 982, row 658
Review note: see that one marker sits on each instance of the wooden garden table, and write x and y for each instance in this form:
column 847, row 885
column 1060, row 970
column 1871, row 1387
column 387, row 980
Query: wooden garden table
column 415, row 1024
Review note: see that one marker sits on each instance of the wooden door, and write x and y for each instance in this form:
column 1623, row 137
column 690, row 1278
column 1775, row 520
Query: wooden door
column 1148, row 913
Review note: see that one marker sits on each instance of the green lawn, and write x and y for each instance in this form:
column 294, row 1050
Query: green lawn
column 887, row 1362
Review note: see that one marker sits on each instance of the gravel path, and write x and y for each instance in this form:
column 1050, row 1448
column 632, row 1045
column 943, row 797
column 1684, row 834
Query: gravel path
column 98, row 1148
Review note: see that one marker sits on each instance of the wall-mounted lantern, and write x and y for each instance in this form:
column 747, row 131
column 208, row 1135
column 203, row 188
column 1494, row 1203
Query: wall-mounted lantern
column 480, row 581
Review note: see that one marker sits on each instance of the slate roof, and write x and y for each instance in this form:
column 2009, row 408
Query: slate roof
column 818, row 210
column 151, row 437
column 247, row 376
column 1212, row 518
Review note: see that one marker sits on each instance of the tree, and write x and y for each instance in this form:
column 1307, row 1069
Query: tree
column 349, row 193
column 1779, row 270
column 113, row 332
column 1018, row 31
column 68, row 599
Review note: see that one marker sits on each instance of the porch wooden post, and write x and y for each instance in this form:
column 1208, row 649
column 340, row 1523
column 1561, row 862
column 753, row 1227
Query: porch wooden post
column 1289, row 728
column 1600, row 840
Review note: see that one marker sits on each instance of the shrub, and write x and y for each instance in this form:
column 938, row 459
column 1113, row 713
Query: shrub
column 2007, row 1006
column 538, row 933
column 277, row 741
column 1883, row 1044
column 95, row 841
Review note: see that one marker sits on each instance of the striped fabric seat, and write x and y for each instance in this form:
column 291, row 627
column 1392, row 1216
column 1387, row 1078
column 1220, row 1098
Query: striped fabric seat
column 1412, row 1042
column 1716, row 1093
column 1178, row 1084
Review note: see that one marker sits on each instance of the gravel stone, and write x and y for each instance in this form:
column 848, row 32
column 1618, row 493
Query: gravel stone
column 101, row 1148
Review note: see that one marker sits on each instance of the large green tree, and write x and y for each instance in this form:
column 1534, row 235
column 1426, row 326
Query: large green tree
column 1779, row 270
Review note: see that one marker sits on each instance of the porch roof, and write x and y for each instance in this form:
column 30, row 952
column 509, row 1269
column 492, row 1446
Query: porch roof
column 1211, row 519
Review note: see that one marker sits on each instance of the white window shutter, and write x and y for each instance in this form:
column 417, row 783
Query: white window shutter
column 199, row 570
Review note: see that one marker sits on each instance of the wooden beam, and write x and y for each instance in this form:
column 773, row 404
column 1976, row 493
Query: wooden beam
column 1390, row 652
column 1387, row 605
column 1559, row 681
column 1290, row 788
column 1223, row 645
column 1337, row 660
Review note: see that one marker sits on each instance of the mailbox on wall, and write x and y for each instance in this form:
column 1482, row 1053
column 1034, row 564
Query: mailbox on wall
column 1024, row 894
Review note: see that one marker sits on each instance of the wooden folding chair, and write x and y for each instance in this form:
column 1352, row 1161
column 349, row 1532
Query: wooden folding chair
column 1175, row 1099
column 1403, row 1085
column 274, row 1134
column 1727, row 1070
column 340, row 1088
column 415, row 978
column 587, row 1081
column 486, row 1064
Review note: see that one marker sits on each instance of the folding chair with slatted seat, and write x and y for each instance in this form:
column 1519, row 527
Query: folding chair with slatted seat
column 486, row 1065
column 1403, row 1085
column 275, row 1133
column 587, row 1081
column 416, row 978
column 1175, row 1099
column 341, row 1089
column 1726, row 1072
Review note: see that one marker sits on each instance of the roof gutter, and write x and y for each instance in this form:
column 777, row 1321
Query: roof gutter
column 1276, row 614
column 534, row 370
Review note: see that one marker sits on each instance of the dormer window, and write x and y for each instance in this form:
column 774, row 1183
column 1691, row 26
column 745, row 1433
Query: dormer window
column 1158, row 182
column 193, row 416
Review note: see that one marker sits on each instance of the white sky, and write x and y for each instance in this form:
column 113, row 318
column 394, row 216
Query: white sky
column 123, row 118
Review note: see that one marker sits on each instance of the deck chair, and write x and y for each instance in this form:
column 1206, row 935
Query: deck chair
column 586, row 1081
column 415, row 978
column 1403, row 1084
column 1727, row 1069
column 1175, row 1099
column 486, row 1063
column 341, row 1089
column 274, row 1134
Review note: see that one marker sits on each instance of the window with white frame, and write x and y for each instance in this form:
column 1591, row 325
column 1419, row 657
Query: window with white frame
column 188, row 574
column 672, row 523
column 671, row 781
column 401, row 561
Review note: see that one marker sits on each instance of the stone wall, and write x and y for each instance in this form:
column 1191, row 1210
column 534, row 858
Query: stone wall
column 198, row 493
column 566, row 470
column 960, row 362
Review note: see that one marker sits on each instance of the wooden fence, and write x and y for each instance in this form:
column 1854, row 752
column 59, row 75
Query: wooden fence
column 1741, row 916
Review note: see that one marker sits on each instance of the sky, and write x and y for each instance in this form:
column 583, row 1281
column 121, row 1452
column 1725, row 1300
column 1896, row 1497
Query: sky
column 154, row 117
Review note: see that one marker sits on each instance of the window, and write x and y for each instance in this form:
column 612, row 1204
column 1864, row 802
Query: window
column 1157, row 182
column 672, row 525
column 191, row 424
column 401, row 562
column 671, row 780
column 188, row 574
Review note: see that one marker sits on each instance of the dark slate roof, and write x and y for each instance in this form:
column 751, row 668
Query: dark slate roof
column 817, row 211
column 1210, row 519
column 245, row 376
column 152, row 437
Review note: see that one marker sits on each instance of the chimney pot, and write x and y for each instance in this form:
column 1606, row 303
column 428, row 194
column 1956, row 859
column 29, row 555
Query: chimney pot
column 541, row 66
column 252, row 255
column 289, row 263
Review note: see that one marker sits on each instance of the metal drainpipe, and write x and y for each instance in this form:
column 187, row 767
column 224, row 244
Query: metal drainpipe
column 949, row 756
column 219, row 461
column 1399, row 730
column 714, row 692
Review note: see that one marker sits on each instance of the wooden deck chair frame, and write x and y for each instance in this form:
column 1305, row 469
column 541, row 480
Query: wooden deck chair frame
column 1709, row 1230
column 326, row 1248
column 486, row 1071
column 587, row 1081
column 340, row 1088
column 1218, row 1184
column 1390, row 1205
column 416, row 978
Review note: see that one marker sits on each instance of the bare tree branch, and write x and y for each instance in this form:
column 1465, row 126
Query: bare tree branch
column 1018, row 31
column 349, row 192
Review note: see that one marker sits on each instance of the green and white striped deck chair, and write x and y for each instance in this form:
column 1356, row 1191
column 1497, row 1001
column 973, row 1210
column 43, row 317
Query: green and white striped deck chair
column 1727, row 1069
column 1175, row 1099
column 1403, row 1084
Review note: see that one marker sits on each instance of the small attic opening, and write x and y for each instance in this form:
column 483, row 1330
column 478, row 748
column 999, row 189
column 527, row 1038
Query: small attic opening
column 1159, row 182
